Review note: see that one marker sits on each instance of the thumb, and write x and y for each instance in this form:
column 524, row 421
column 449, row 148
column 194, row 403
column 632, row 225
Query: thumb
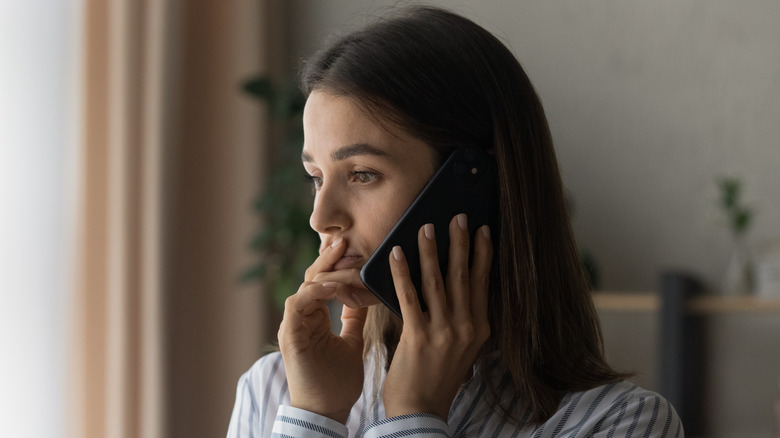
column 352, row 322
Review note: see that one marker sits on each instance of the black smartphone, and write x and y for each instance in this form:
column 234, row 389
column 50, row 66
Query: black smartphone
column 467, row 182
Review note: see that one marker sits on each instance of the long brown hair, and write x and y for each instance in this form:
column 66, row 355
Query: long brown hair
column 449, row 82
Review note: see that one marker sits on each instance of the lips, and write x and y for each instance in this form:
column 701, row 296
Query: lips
column 348, row 261
column 351, row 258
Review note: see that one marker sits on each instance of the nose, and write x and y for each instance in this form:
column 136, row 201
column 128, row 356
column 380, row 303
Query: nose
column 330, row 215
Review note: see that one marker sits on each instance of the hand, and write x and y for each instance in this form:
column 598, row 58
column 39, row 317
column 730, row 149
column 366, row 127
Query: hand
column 438, row 348
column 324, row 371
column 353, row 292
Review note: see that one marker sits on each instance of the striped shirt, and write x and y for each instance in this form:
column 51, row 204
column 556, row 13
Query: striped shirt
column 616, row 410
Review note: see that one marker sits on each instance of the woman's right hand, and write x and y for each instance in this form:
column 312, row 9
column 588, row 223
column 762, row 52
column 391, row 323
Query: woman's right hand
column 324, row 370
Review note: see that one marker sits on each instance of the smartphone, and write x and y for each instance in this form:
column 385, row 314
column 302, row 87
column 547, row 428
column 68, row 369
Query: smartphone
column 467, row 182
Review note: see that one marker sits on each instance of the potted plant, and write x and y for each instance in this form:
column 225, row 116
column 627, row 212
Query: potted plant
column 285, row 243
column 738, row 217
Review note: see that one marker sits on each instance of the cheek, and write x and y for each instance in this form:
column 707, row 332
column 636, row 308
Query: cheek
column 380, row 217
column 376, row 224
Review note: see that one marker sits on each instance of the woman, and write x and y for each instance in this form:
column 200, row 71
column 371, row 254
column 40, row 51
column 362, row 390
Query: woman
column 517, row 353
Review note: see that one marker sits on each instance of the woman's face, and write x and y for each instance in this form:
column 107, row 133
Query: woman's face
column 365, row 175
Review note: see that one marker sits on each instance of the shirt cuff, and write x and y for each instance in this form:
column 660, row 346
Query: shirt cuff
column 294, row 422
column 412, row 425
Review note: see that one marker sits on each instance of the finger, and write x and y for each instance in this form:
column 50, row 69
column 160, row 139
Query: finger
column 352, row 322
column 404, row 289
column 328, row 257
column 458, row 266
column 309, row 298
column 349, row 277
column 357, row 298
column 354, row 292
column 480, row 273
column 305, row 308
column 432, row 282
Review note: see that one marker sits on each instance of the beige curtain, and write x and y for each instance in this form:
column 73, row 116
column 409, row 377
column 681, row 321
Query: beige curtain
column 171, row 161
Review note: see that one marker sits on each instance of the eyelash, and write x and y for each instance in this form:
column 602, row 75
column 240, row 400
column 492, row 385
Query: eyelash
column 316, row 182
column 361, row 173
column 313, row 181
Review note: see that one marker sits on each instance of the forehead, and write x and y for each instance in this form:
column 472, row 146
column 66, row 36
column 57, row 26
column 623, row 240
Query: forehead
column 338, row 125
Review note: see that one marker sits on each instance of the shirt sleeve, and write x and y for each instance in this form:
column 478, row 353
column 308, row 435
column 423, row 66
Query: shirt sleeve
column 260, row 392
column 294, row 422
column 243, row 408
column 412, row 425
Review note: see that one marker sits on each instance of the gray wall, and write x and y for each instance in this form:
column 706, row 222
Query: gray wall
column 648, row 103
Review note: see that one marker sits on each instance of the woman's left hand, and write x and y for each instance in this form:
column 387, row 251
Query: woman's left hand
column 438, row 348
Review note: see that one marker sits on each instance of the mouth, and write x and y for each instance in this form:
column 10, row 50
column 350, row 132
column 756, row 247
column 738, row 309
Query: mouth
column 349, row 261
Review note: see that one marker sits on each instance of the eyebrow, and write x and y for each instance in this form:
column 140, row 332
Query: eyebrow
column 349, row 151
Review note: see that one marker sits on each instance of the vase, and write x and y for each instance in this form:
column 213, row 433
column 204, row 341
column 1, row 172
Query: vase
column 738, row 280
column 766, row 270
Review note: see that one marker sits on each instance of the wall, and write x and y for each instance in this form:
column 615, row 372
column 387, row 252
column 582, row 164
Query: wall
column 648, row 102
column 739, row 371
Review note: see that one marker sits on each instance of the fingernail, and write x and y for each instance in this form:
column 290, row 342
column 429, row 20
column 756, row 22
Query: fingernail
column 462, row 221
column 486, row 231
column 428, row 229
column 329, row 285
column 357, row 300
column 336, row 243
column 397, row 253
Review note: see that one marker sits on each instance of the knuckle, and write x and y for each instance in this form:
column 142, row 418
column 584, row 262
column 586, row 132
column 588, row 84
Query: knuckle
column 445, row 337
column 485, row 279
column 292, row 300
column 434, row 282
column 461, row 276
column 462, row 242
column 407, row 294
column 467, row 333
column 281, row 335
column 480, row 281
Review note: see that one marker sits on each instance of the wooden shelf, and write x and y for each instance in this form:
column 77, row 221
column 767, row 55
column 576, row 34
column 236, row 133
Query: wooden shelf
column 745, row 304
column 650, row 302
column 627, row 302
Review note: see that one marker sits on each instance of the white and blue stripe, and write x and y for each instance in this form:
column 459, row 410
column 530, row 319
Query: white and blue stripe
column 616, row 410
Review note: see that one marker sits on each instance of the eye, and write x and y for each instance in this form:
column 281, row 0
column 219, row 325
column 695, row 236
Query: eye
column 314, row 181
column 363, row 177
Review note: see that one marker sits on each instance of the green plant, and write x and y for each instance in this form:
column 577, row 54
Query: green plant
column 285, row 243
column 738, row 215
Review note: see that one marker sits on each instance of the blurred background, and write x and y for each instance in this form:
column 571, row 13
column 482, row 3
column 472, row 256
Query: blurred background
column 132, row 158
